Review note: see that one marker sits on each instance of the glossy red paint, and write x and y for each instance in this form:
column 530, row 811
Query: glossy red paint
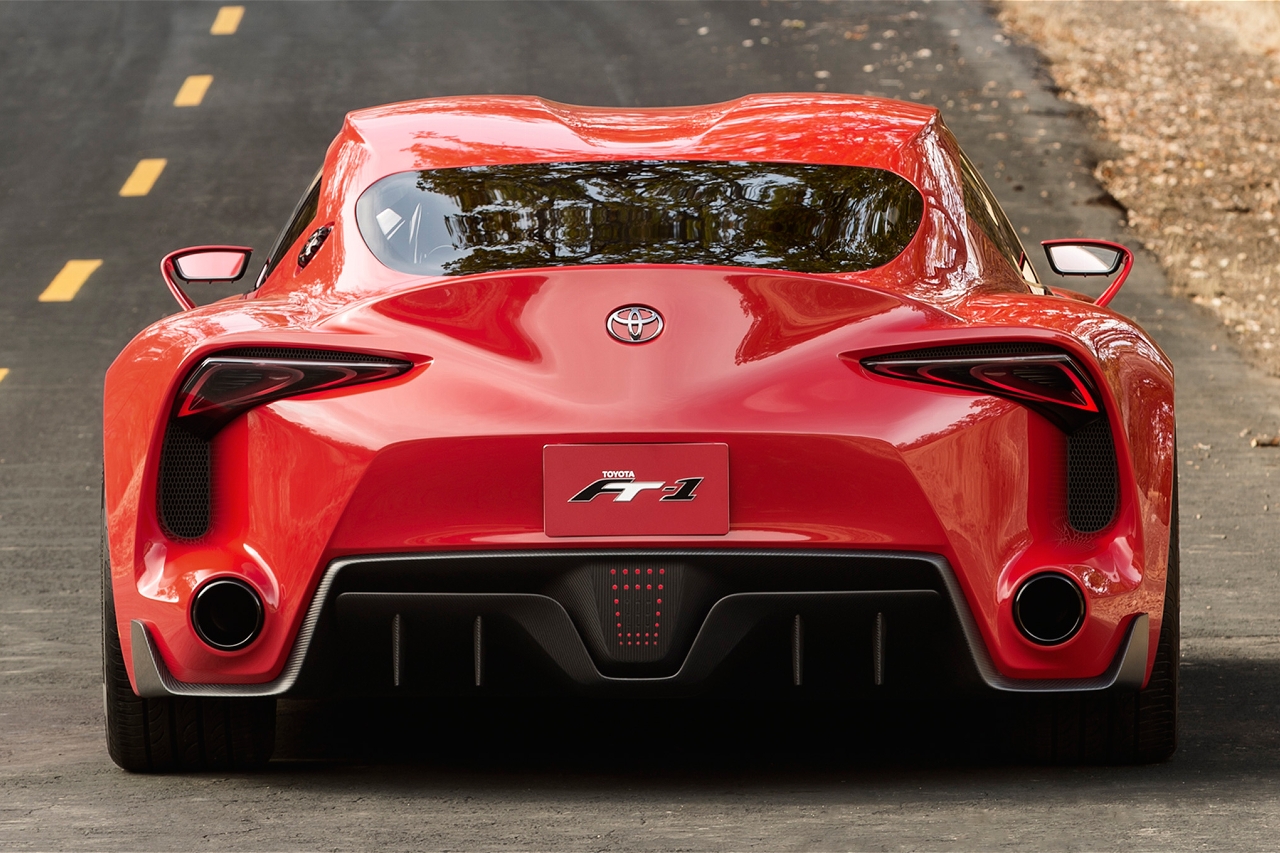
column 823, row 453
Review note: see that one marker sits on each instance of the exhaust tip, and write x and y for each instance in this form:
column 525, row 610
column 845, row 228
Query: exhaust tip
column 227, row 614
column 1049, row 608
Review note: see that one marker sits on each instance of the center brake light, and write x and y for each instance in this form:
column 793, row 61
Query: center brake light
column 1052, row 383
column 223, row 386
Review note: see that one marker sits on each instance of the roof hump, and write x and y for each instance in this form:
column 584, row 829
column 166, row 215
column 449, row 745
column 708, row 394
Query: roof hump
column 493, row 129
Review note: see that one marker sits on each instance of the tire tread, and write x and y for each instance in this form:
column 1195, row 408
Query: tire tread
column 179, row 733
column 1115, row 727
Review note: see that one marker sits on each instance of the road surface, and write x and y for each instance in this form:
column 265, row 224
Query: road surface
column 87, row 92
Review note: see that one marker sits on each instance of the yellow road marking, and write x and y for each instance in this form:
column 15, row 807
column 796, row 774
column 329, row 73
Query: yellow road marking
column 4, row 371
column 228, row 21
column 143, row 177
column 67, row 283
column 192, row 91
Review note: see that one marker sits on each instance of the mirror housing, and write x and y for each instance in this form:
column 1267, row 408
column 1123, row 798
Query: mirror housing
column 1090, row 257
column 203, row 263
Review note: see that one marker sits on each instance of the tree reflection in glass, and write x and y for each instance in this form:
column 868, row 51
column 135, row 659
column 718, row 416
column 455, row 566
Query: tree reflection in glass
column 800, row 217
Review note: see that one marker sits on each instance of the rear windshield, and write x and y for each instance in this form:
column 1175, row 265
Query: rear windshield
column 800, row 217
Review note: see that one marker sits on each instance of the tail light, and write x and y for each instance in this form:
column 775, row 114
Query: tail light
column 223, row 386
column 1049, row 381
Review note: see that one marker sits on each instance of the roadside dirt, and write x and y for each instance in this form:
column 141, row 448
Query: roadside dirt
column 1186, row 100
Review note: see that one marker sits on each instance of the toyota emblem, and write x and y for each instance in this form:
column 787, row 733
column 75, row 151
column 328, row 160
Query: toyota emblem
column 634, row 324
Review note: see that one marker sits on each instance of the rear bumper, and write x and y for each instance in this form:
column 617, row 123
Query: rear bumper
column 795, row 623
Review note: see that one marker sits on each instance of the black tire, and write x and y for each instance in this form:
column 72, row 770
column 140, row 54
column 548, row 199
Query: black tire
column 1115, row 727
column 165, row 735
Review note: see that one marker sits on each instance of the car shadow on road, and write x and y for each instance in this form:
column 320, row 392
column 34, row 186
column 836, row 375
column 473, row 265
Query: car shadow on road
column 1228, row 719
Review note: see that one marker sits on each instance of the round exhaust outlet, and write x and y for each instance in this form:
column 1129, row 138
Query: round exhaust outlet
column 1048, row 609
column 227, row 614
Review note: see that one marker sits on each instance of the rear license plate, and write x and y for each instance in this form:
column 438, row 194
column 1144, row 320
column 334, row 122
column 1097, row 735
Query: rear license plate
column 635, row 489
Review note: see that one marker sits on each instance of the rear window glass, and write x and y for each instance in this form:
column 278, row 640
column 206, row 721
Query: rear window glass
column 806, row 218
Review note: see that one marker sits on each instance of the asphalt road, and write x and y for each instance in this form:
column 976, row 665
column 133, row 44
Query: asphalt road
column 87, row 90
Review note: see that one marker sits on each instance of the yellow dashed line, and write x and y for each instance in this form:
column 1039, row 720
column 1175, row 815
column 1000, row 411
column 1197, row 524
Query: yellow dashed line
column 192, row 91
column 67, row 283
column 4, row 371
column 143, row 178
column 228, row 21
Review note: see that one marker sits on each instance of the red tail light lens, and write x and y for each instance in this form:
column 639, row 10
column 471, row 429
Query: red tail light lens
column 224, row 386
column 1051, row 383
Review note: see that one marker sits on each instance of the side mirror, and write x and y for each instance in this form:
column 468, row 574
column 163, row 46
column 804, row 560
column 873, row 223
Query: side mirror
column 203, row 263
column 1090, row 257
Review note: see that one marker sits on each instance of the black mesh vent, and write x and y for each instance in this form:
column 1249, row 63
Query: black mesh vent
column 972, row 351
column 1092, row 487
column 183, row 497
column 302, row 354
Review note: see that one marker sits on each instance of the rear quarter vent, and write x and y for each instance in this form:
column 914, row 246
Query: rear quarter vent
column 1092, row 477
column 183, row 496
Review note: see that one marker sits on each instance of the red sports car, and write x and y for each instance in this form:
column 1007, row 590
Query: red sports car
column 760, row 398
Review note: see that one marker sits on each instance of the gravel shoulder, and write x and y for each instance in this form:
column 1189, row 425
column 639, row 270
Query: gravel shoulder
column 1183, row 97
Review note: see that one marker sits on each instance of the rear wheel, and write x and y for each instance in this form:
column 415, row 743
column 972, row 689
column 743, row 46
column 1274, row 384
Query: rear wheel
column 1116, row 727
column 179, row 733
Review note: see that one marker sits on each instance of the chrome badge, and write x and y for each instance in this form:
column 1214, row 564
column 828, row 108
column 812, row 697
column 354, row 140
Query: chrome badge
column 634, row 324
